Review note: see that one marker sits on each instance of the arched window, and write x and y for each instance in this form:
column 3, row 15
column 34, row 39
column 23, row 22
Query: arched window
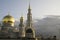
column 29, row 31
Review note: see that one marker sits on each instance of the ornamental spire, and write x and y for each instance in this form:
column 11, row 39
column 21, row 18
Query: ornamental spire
column 29, row 9
column 29, row 5
column 8, row 13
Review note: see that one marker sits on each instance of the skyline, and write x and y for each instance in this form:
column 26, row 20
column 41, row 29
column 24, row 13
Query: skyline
column 39, row 8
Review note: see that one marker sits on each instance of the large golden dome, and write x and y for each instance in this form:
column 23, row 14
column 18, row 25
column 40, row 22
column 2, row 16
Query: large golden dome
column 8, row 18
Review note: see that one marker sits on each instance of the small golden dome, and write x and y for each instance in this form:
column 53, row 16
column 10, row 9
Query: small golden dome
column 8, row 18
column 21, row 18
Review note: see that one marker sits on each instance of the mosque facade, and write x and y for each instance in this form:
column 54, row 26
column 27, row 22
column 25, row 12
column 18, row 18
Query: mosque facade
column 23, row 32
column 8, row 30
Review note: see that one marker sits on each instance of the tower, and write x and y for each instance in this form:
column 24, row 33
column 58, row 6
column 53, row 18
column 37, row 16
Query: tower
column 30, row 33
column 21, row 28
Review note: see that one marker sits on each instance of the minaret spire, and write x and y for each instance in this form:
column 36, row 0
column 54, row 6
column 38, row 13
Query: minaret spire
column 29, row 5
column 21, row 28
column 29, row 9
column 29, row 17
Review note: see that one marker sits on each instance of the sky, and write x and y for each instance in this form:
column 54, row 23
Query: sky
column 39, row 8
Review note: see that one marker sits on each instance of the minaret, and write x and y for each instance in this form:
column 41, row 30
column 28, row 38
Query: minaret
column 21, row 21
column 29, row 17
column 21, row 28
column 30, row 33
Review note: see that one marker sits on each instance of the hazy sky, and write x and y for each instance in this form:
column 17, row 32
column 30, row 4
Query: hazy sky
column 39, row 8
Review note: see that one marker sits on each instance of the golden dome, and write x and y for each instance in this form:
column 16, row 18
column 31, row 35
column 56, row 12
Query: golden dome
column 8, row 18
column 21, row 17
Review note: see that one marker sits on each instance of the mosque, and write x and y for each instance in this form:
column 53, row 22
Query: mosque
column 23, row 32
column 8, row 30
